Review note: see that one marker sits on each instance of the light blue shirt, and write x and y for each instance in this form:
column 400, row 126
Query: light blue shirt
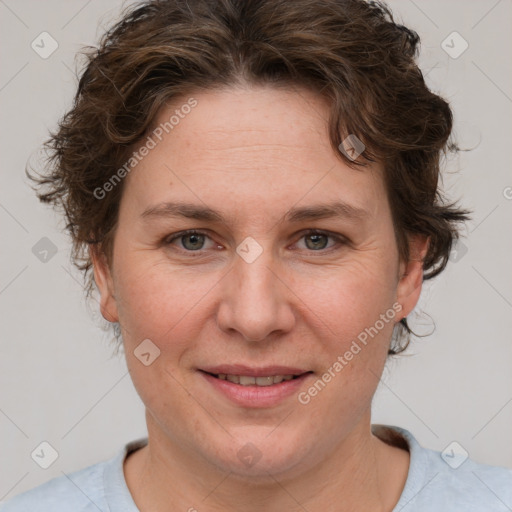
column 433, row 484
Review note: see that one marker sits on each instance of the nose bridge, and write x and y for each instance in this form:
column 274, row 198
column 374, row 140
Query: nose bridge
column 254, row 300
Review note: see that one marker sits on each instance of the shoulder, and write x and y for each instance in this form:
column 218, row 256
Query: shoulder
column 470, row 486
column 81, row 491
column 101, row 486
column 450, row 480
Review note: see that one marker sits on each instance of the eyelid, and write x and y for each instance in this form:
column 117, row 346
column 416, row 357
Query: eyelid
column 176, row 236
column 338, row 238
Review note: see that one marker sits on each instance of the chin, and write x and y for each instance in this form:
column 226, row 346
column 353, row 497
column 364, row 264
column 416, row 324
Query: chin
column 261, row 453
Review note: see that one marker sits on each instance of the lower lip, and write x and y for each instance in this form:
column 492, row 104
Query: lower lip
column 256, row 396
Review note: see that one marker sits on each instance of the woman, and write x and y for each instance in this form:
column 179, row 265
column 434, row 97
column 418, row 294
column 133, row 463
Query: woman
column 253, row 187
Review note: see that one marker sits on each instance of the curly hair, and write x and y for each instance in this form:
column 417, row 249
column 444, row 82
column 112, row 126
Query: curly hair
column 352, row 52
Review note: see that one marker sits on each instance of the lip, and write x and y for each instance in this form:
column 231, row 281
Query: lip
column 256, row 396
column 240, row 369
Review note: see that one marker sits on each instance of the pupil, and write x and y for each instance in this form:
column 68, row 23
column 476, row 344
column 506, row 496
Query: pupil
column 316, row 237
column 197, row 241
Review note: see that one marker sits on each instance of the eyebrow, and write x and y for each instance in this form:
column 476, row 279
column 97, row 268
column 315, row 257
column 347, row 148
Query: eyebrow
column 294, row 215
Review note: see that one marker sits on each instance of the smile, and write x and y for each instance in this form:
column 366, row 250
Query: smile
column 255, row 391
column 248, row 380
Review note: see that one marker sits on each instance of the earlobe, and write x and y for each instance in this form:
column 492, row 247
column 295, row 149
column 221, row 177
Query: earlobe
column 105, row 284
column 411, row 274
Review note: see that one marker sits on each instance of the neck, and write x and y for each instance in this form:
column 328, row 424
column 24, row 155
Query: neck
column 361, row 472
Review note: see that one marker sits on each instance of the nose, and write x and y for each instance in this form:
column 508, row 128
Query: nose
column 256, row 301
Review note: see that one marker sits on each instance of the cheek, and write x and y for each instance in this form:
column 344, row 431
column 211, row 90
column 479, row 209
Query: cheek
column 358, row 318
column 353, row 296
column 355, row 311
column 157, row 301
column 168, row 309
column 162, row 304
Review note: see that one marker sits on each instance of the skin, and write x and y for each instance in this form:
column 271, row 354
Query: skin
column 253, row 153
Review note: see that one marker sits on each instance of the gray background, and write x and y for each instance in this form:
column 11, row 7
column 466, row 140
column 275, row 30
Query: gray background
column 59, row 379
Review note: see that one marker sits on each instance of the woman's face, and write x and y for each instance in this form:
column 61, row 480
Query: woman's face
column 252, row 293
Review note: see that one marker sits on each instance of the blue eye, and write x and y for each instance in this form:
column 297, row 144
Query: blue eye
column 196, row 241
column 193, row 241
column 319, row 240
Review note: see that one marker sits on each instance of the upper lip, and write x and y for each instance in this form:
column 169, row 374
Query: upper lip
column 240, row 369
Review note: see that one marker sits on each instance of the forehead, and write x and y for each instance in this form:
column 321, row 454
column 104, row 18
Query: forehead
column 252, row 147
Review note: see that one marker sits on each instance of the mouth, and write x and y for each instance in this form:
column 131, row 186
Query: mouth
column 249, row 380
column 255, row 387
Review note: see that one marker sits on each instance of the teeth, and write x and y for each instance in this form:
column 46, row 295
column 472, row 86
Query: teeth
column 246, row 380
column 266, row 381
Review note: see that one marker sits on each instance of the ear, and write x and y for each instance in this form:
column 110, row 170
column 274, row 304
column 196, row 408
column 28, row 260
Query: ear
column 105, row 284
column 411, row 274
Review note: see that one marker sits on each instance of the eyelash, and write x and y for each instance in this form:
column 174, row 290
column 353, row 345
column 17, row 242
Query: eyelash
column 340, row 240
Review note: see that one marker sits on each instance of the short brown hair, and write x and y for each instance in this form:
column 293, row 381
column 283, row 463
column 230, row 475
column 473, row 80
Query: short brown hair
column 350, row 51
